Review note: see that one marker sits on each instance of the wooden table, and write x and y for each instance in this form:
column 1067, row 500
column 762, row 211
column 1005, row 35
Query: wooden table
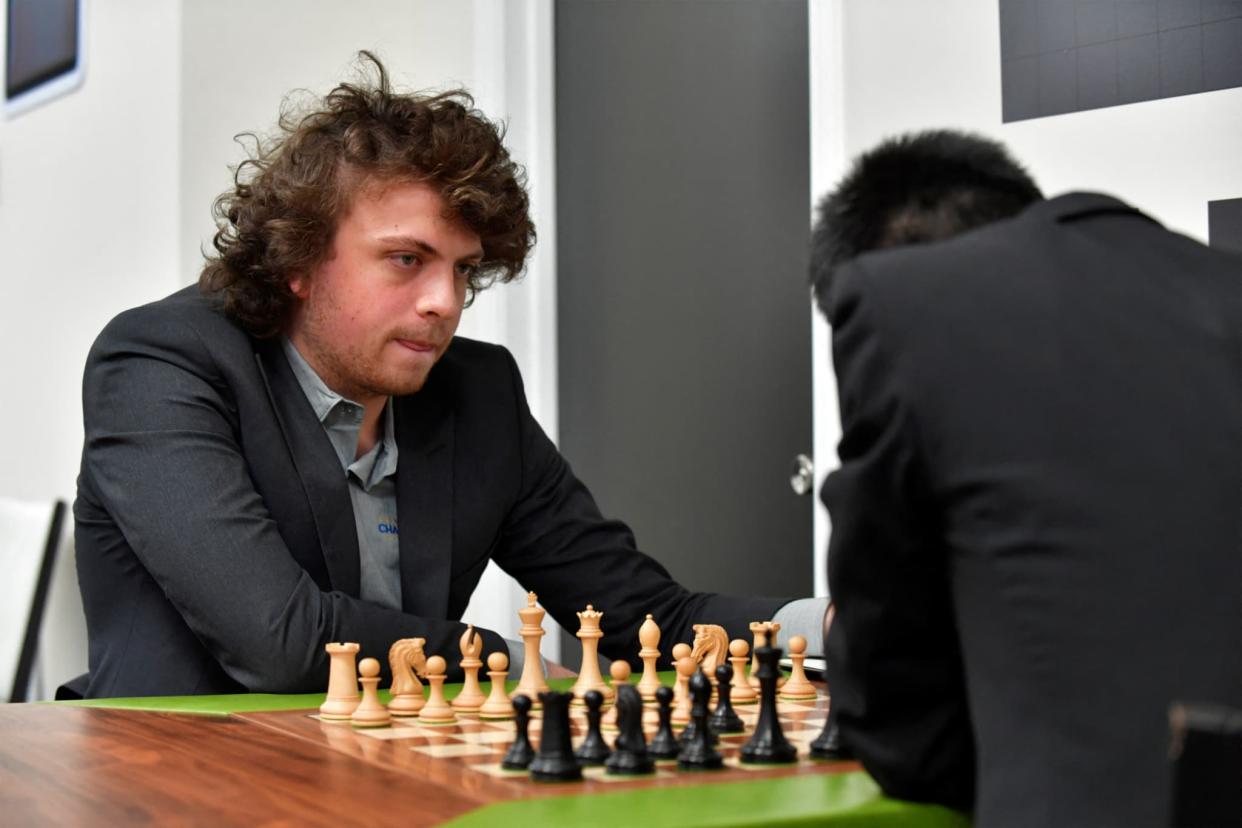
column 211, row 761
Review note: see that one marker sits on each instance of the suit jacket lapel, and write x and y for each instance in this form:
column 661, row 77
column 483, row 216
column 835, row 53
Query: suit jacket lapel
column 319, row 470
column 424, row 429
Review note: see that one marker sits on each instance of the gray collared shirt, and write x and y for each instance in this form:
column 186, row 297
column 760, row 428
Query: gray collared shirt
column 371, row 478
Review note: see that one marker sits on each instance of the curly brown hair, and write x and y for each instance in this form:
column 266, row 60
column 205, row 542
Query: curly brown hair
column 281, row 214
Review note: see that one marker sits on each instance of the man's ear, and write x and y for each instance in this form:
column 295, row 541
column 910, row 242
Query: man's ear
column 299, row 285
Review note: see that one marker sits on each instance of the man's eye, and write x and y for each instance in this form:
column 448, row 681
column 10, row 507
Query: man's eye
column 405, row 259
column 467, row 271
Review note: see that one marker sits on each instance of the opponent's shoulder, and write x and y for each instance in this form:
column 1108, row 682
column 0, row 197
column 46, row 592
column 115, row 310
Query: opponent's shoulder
column 909, row 284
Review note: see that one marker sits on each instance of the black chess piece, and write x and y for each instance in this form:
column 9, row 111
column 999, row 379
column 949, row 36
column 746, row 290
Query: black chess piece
column 697, row 752
column 828, row 745
column 520, row 753
column 555, row 760
column 593, row 750
column 768, row 745
column 664, row 744
column 630, row 757
column 691, row 731
column 724, row 718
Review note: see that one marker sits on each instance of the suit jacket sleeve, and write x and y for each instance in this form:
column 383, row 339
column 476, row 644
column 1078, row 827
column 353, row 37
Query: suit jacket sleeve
column 162, row 459
column 894, row 666
column 556, row 542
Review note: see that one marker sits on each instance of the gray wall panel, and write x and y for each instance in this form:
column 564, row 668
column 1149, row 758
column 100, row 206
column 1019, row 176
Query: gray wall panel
column 684, row 323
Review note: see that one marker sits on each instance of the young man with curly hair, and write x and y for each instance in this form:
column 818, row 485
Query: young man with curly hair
column 298, row 450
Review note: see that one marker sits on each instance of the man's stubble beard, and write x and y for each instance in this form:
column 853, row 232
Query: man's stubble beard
column 356, row 376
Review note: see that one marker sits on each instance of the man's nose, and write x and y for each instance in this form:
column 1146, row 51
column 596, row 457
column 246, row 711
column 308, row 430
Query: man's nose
column 438, row 294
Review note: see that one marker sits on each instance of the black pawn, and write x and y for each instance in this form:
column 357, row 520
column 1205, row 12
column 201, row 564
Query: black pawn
column 724, row 719
column 827, row 745
column 593, row 750
column 768, row 745
column 555, row 761
column 698, row 753
column 521, row 752
column 691, row 731
column 630, row 757
column 664, row 743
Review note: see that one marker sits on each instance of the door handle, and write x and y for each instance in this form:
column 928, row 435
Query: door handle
column 802, row 475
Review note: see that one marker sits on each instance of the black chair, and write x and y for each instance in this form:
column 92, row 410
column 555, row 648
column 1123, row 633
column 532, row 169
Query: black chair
column 1206, row 751
column 27, row 581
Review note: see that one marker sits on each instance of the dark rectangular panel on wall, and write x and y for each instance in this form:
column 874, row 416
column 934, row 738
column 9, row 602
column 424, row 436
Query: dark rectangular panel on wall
column 684, row 320
column 1061, row 56
column 1225, row 224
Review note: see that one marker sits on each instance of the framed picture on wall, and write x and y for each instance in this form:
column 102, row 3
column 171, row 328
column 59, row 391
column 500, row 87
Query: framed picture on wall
column 43, row 57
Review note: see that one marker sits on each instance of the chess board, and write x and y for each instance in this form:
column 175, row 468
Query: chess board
column 466, row 755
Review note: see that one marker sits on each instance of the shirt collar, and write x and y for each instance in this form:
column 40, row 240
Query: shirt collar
column 337, row 413
column 322, row 398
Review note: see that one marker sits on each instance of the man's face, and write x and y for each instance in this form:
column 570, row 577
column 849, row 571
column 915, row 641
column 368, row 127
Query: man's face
column 381, row 309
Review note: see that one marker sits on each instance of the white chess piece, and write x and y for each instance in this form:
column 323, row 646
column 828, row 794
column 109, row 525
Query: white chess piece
column 343, row 696
column 370, row 711
column 498, row 705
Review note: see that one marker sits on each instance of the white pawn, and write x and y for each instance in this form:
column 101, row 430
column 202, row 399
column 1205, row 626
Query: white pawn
column 743, row 693
column 436, row 710
column 498, row 706
column 620, row 672
column 681, row 693
column 798, row 687
column 471, row 697
column 370, row 711
column 760, row 631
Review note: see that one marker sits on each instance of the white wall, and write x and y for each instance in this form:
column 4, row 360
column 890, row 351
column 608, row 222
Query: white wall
column 87, row 187
column 88, row 227
column 513, row 47
column 882, row 67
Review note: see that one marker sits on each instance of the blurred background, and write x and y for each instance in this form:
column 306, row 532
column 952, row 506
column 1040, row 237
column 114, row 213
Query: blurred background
column 674, row 152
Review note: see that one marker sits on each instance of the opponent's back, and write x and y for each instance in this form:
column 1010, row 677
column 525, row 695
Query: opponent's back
column 1073, row 381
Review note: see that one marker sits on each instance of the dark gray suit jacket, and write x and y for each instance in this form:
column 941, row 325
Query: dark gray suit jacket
column 1038, row 517
column 216, row 544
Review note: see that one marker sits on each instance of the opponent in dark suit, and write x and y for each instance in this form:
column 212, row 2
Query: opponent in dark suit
column 216, row 540
column 1036, row 523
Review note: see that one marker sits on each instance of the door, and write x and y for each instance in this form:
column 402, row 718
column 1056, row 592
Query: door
column 683, row 323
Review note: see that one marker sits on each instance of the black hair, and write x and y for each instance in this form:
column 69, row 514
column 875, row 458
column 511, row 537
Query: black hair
column 913, row 189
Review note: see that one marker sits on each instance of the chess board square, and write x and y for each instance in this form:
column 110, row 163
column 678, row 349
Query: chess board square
column 494, row 769
column 388, row 733
column 599, row 773
column 454, row 750
column 494, row 737
column 442, row 726
column 802, row 738
column 433, row 739
column 737, row 764
column 473, row 727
